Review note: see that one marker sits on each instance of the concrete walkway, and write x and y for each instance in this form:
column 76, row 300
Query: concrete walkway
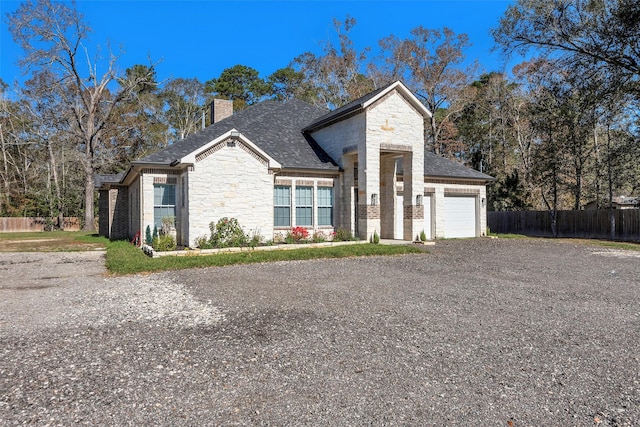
column 403, row 242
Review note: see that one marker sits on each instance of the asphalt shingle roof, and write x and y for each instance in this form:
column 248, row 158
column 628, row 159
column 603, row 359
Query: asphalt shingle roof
column 277, row 128
column 273, row 126
column 436, row 166
column 102, row 178
column 345, row 109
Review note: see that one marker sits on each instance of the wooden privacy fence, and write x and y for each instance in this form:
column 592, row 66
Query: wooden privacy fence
column 14, row 225
column 588, row 224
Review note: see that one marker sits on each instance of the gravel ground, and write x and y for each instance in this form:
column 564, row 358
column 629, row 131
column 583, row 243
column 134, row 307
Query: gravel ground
column 477, row 332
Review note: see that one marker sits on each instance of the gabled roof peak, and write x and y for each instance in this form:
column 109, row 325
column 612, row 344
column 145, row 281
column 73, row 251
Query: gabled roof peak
column 365, row 101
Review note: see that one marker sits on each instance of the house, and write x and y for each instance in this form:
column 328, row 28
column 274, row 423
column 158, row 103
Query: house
column 618, row 202
column 278, row 165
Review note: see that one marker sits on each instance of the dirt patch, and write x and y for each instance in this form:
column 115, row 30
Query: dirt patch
column 619, row 253
column 37, row 270
column 45, row 245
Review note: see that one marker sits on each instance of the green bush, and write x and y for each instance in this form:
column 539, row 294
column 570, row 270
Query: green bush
column 318, row 237
column 342, row 235
column 255, row 239
column 423, row 236
column 164, row 243
column 375, row 239
column 147, row 236
column 202, row 242
column 227, row 233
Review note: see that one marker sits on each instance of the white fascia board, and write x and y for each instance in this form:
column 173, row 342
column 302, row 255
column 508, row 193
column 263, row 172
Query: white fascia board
column 406, row 93
column 191, row 158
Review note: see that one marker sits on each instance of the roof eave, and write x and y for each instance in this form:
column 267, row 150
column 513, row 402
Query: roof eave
column 333, row 119
column 465, row 178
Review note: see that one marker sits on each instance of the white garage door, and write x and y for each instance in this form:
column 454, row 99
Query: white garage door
column 459, row 216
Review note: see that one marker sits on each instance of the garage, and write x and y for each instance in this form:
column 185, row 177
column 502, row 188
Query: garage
column 459, row 216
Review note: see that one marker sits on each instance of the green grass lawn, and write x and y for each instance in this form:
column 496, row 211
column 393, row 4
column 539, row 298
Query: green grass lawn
column 124, row 258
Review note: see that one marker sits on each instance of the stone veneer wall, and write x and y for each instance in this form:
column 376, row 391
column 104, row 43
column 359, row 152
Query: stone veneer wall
column 345, row 135
column 393, row 125
column 230, row 181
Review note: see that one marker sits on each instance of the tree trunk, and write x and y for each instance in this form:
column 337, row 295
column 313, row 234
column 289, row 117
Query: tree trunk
column 56, row 185
column 612, row 217
column 89, row 217
column 597, row 164
column 434, row 134
column 4, row 200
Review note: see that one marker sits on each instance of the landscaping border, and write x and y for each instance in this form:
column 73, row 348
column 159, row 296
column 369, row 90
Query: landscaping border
column 196, row 252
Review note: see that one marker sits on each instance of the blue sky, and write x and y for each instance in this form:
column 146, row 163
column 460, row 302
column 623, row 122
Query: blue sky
column 202, row 38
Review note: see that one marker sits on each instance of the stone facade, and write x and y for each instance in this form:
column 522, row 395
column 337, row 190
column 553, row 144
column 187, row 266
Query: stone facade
column 230, row 182
column 374, row 139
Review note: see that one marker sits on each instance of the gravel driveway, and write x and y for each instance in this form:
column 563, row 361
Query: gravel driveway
column 477, row 332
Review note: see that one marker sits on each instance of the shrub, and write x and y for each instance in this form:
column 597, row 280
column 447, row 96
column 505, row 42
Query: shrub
column 318, row 237
column 255, row 239
column 423, row 236
column 164, row 243
column 227, row 233
column 155, row 234
column 147, row 236
column 279, row 238
column 375, row 239
column 342, row 235
column 202, row 242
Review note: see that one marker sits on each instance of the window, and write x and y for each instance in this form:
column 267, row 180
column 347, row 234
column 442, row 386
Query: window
column 282, row 206
column 304, row 206
column 164, row 203
column 325, row 206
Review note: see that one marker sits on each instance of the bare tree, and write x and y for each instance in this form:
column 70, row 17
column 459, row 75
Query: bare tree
column 52, row 35
column 42, row 103
column 430, row 62
column 601, row 33
column 336, row 75
column 185, row 99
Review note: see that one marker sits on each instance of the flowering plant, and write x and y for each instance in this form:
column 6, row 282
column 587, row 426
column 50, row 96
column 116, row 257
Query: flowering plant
column 299, row 233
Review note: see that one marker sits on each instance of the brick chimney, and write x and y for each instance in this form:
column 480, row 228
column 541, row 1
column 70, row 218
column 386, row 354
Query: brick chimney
column 221, row 109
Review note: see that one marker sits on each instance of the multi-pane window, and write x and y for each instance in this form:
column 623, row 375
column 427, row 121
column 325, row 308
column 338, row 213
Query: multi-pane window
column 164, row 203
column 282, row 206
column 304, row 206
column 325, row 206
